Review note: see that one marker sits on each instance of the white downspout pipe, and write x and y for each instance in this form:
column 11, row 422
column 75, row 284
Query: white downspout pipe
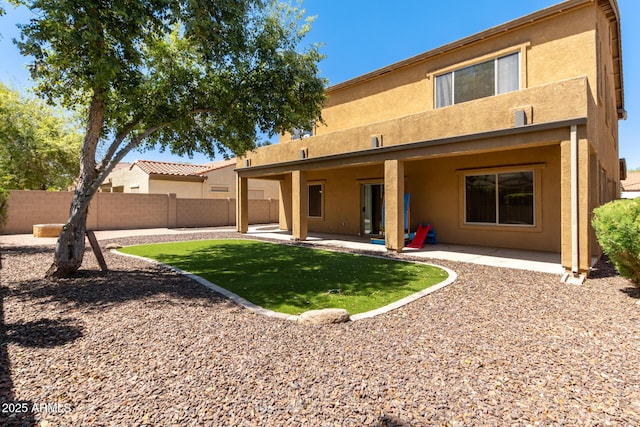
column 575, row 254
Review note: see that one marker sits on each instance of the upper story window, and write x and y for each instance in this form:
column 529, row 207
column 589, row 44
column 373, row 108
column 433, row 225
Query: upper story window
column 488, row 78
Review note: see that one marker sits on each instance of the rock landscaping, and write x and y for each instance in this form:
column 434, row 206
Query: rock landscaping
column 143, row 346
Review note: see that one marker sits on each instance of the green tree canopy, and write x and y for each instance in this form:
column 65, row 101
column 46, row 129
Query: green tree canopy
column 39, row 146
column 183, row 75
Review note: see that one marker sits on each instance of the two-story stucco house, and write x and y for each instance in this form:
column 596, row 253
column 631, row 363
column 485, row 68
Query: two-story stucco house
column 506, row 138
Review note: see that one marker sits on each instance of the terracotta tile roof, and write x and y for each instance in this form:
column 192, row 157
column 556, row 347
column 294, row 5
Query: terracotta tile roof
column 167, row 168
column 179, row 169
column 632, row 183
column 208, row 167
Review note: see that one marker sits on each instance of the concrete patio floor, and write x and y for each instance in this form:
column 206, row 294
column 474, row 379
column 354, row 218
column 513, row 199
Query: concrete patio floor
column 546, row 262
column 496, row 257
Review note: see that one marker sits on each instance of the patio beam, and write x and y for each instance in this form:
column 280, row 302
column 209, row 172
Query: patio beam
column 496, row 140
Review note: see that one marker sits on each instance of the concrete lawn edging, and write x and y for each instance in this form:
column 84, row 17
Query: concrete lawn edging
column 410, row 298
column 224, row 292
column 452, row 277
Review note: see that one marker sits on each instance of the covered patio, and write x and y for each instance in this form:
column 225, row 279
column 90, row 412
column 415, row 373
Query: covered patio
column 324, row 199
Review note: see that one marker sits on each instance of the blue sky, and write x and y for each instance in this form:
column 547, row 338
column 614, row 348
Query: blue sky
column 359, row 36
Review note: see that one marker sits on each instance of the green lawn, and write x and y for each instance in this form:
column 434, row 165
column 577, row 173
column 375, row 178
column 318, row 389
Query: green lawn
column 293, row 279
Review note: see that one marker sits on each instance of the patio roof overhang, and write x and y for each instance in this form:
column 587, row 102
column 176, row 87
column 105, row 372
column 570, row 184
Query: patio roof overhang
column 485, row 141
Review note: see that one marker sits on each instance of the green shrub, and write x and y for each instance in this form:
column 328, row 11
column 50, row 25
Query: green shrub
column 617, row 226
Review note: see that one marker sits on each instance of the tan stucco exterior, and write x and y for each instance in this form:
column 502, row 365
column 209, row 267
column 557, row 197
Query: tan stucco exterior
column 219, row 183
column 570, row 95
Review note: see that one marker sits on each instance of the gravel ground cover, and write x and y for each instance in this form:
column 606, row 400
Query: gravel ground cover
column 142, row 346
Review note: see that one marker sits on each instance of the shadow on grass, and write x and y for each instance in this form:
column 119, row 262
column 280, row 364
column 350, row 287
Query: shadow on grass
column 275, row 274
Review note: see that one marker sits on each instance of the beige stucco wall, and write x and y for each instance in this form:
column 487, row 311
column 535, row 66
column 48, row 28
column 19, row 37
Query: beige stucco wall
column 135, row 180
column 226, row 178
column 437, row 196
column 182, row 189
column 551, row 51
column 559, row 60
column 129, row 180
column 262, row 189
column 220, row 178
column 486, row 114
column 436, row 192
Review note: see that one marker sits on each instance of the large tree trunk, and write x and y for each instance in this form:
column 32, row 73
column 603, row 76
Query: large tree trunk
column 71, row 244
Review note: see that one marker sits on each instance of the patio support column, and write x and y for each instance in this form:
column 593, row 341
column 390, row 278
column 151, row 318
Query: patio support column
column 394, row 204
column 300, row 204
column 574, row 154
column 242, row 204
column 285, row 208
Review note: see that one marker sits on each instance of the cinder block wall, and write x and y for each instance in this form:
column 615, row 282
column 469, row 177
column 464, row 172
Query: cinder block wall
column 110, row 211
column 203, row 212
column 260, row 211
column 27, row 208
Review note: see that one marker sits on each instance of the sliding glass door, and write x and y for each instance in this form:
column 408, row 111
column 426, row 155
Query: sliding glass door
column 372, row 222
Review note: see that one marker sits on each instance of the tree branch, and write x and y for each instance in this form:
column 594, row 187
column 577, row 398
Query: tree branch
column 116, row 143
column 108, row 167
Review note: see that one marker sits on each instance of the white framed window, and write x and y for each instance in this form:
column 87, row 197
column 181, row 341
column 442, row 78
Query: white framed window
column 500, row 198
column 487, row 78
column 316, row 200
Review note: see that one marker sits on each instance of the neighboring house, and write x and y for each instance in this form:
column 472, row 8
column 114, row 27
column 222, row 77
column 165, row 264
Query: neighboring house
column 506, row 138
column 216, row 180
column 631, row 185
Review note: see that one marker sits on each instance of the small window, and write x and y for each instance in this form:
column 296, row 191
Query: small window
column 603, row 187
column 218, row 189
column 315, row 201
column 488, row 78
column 500, row 198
